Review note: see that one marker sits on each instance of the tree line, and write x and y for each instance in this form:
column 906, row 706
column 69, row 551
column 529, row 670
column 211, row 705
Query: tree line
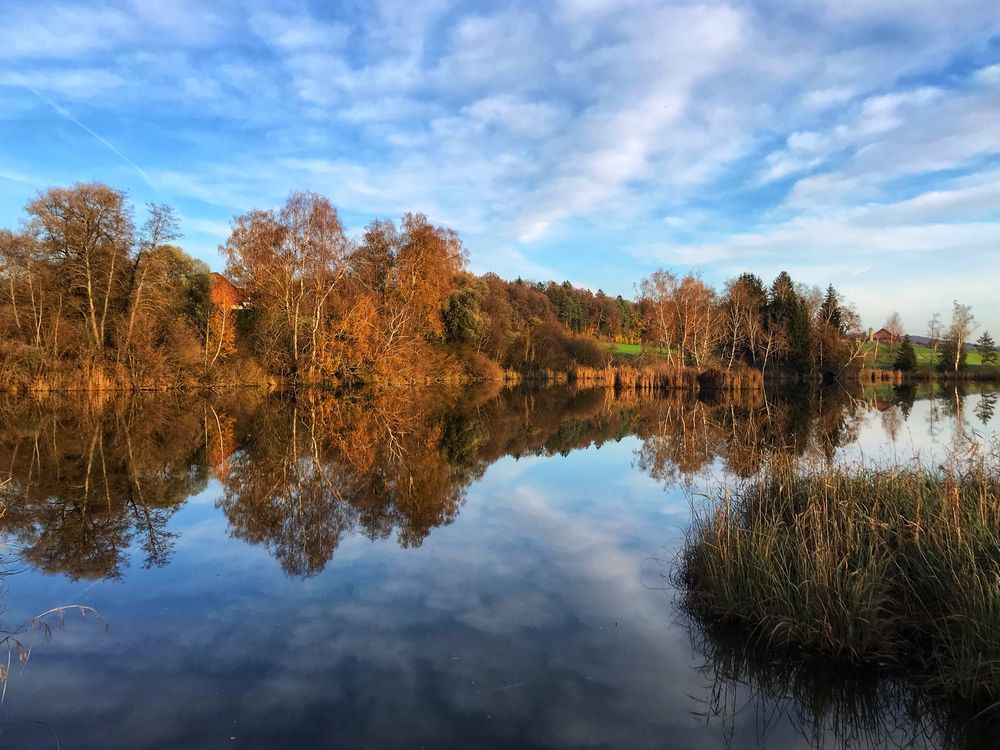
column 92, row 298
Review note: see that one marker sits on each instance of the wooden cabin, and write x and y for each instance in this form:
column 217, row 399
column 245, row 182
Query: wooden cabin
column 883, row 336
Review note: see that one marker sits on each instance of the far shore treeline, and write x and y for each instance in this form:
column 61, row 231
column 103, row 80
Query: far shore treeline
column 91, row 299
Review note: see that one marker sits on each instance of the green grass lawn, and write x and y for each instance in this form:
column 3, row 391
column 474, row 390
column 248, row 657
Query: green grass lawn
column 632, row 350
column 925, row 356
column 629, row 350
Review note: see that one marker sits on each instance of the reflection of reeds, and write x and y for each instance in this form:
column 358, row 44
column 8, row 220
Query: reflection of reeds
column 896, row 565
column 651, row 378
column 14, row 640
column 830, row 703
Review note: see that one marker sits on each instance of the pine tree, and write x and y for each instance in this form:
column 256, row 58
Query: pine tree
column 830, row 310
column 906, row 358
column 987, row 349
column 952, row 357
column 790, row 311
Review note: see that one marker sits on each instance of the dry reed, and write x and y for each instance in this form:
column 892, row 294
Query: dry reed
column 890, row 565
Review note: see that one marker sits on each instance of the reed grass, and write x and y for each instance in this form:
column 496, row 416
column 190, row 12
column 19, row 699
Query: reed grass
column 887, row 565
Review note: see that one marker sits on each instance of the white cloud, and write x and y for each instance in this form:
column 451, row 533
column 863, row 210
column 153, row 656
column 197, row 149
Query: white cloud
column 533, row 126
column 71, row 83
column 535, row 119
column 61, row 31
column 294, row 33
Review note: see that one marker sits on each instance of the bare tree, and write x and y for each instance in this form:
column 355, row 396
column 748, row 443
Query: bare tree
column 660, row 289
column 963, row 323
column 86, row 231
column 894, row 325
column 289, row 262
column 159, row 229
column 935, row 332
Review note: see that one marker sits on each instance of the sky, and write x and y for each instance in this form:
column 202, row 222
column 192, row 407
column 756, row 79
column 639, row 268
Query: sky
column 851, row 142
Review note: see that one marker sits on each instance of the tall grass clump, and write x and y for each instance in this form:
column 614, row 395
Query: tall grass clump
column 893, row 565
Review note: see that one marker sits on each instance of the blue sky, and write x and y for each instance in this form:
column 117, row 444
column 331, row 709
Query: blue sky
column 849, row 141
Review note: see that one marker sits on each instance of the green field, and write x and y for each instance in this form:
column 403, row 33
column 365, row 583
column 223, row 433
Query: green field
column 632, row 350
column 925, row 356
column 629, row 350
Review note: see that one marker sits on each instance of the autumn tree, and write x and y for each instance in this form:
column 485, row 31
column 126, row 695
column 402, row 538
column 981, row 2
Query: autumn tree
column 160, row 228
column 289, row 263
column 743, row 308
column 32, row 294
column 160, row 336
column 660, row 290
column 681, row 315
column 697, row 310
column 403, row 277
column 219, row 323
column 86, row 233
column 87, row 295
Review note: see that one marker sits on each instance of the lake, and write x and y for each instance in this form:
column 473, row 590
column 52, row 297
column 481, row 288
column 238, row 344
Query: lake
column 427, row 568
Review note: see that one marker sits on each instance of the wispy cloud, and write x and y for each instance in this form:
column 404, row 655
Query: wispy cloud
column 67, row 115
column 587, row 139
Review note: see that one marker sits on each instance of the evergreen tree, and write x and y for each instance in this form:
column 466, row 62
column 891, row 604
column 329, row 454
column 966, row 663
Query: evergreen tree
column 461, row 315
column 906, row 396
column 987, row 349
column 627, row 310
column 986, row 407
column 789, row 311
column 754, row 285
column 830, row 310
column 906, row 358
column 952, row 357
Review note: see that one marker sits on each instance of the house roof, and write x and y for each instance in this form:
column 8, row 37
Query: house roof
column 221, row 288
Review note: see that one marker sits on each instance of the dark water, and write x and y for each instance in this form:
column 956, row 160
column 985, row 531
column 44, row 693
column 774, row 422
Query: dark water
column 426, row 569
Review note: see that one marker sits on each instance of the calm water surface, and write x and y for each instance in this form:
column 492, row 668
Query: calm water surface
column 427, row 569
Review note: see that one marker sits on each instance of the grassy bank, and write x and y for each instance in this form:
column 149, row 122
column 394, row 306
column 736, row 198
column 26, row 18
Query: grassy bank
column 891, row 566
column 883, row 357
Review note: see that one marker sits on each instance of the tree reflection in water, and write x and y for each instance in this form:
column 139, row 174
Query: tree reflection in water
column 90, row 479
column 90, row 487
column 86, row 480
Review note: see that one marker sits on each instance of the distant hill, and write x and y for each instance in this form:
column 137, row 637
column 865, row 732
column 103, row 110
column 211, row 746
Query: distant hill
column 924, row 341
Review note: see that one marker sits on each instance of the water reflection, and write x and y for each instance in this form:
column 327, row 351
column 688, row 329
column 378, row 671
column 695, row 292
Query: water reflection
column 85, row 482
column 302, row 474
column 828, row 704
column 298, row 475
column 501, row 602
column 986, row 408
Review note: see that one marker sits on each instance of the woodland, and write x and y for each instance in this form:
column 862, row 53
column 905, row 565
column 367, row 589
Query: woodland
column 92, row 297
